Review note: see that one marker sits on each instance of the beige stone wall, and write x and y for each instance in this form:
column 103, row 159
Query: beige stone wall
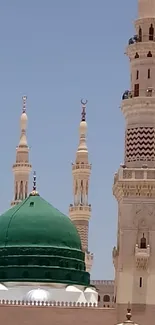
column 105, row 289
column 24, row 315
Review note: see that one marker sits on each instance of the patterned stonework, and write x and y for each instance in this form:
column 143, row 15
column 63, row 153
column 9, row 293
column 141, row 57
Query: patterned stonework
column 140, row 144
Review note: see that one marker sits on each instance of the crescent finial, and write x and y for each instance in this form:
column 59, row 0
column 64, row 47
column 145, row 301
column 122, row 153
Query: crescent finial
column 24, row 98
column 83, row 115
column 84, row 103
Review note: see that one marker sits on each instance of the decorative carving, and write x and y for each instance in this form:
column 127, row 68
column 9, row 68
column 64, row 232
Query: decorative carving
column 142, row 223
column 142, row 257
column 127, row 174
column 144, row 215
column 138, row 209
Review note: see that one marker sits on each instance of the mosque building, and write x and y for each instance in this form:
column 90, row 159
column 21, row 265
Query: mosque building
column 45, row 263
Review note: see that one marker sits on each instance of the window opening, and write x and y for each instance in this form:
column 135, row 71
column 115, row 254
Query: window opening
column 143, row 242
column 151, row 33
column 140, row 34
column 136, row 90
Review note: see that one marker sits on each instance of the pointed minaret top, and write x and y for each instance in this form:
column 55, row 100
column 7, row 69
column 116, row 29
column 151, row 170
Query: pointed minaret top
column 23, row 124
column 82, row 152
column 146, row 9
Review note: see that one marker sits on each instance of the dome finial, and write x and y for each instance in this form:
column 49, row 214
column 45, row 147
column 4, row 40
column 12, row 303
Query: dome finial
column 129, row 315
column 83, row 114
column 34, row 181
column 24, row 98
column 34, row 191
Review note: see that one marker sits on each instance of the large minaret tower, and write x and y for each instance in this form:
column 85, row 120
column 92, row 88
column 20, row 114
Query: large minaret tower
column 80, row 211
column 22, row 167
column 134, row 183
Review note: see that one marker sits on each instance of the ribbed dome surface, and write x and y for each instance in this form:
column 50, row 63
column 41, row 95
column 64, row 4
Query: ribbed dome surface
column 39, row 243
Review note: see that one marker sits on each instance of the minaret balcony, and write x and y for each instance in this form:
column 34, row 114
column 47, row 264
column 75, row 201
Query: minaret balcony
column 142, row 256
column 86, row 208
column 23, row 166
column 78, row 166
column 148, row 92
column 80, row 212
column 134, row 102
column 141, row 38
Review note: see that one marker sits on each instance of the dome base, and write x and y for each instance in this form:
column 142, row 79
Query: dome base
column 43, row 264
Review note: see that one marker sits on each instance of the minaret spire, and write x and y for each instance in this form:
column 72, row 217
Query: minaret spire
column 82, row 151
column 23, row 124
column 22, row 167
column 80, row 211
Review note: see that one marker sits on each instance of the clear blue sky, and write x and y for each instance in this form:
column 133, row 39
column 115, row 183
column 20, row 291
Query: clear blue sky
column 57, row 52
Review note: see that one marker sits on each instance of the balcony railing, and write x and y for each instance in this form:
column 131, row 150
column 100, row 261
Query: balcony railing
column 149, row 92
column 142, row 252
column 141, row 38
column 142, row 256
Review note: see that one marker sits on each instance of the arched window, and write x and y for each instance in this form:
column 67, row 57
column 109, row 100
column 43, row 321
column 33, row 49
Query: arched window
column 136, row 55
column 151, row 33
column 149, row 55
column 26, row 190
column 21, row 190
column 16, row 192
column 136, row 90
column 140, row 34
column 143, row 242
column 106, row 298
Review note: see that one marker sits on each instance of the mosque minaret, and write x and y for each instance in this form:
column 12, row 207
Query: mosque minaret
column 134, row 183
column 80, row 211
column 22, row 167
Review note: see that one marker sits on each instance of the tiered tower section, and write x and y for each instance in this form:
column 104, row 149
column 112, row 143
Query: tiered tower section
column 134, row 183
column 80, row 211
column 22, row 167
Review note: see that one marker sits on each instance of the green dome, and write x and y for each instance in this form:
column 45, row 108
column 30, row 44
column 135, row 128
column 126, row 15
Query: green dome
column 38, row 243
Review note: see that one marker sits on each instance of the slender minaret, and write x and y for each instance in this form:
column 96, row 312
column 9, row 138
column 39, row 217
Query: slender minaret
column 22, row 167
column 80, row 211
column 134, row 183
